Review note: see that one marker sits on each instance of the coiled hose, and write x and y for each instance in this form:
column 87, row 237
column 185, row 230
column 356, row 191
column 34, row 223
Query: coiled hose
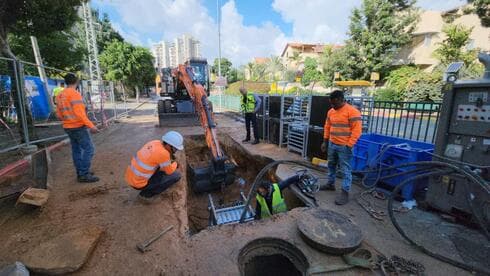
column 425, row 169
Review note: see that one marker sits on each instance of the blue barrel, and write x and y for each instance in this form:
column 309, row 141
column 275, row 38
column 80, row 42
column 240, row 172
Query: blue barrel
column 37, row 97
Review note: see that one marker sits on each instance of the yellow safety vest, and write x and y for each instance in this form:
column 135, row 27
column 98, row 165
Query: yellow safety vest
column 248, row 103
column 278, row 203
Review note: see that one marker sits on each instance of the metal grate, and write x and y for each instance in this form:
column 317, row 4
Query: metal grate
column 298, row 138
column 230, row 213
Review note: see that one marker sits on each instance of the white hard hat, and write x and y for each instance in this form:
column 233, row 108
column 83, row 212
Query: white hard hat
column 174, row 139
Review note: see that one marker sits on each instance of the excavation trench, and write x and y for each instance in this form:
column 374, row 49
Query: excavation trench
column 247, row 168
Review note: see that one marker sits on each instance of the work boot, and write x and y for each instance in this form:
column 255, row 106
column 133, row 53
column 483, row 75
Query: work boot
column 255, row 142
column 246, row 140
column 343, row 198
column 328, row 187
column 88, row 178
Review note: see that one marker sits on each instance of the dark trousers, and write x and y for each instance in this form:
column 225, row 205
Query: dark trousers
column 159, row 182
column 82, row 149
column 251, row 118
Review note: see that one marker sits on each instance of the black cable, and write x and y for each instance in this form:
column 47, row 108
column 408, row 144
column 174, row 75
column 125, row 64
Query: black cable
column 262, row 172
column 418, row 246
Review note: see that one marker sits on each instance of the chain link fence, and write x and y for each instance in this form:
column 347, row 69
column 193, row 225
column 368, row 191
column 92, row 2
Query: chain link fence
column 28, row 107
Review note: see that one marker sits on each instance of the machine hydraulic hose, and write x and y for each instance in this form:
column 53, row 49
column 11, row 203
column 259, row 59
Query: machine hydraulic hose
column 419, row 170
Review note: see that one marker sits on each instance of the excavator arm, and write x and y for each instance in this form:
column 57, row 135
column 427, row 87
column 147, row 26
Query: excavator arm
column 220, row 172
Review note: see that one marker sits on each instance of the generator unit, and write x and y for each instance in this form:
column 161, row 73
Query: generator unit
column 463, row 138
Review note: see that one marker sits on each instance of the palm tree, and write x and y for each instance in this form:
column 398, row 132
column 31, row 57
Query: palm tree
column 258, row 72
column 250, row 68
column 296, row 58
column 274, row 66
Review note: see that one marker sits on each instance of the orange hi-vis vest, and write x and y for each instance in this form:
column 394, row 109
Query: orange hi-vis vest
column 343, row 126
column 71, row 110
column 147, row 160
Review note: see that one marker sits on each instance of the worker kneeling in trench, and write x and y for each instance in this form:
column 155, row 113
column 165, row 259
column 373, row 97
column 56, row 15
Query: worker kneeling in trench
column 152, row 170
column 269, row 197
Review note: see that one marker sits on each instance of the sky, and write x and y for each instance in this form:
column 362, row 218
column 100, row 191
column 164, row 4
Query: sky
column 249, row 28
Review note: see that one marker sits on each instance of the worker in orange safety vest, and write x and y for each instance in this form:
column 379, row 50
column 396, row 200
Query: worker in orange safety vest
column 71, row 110
column 152, row 170
column 343, row 127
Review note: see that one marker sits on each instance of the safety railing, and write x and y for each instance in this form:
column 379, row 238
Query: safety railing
column 410, row 120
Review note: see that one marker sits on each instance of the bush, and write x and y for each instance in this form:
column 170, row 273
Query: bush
column 256, row 87
column 413, row 84
column 387, row 94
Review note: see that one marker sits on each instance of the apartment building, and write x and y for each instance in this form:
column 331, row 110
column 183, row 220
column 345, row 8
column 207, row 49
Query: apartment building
column 295, row 53
column 428, row 34
column 171, row 54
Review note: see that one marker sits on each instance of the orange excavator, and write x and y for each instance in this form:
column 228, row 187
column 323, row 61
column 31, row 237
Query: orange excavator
column 184, row 84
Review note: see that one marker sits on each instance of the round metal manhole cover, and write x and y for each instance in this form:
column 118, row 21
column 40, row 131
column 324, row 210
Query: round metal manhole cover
column 329, row 231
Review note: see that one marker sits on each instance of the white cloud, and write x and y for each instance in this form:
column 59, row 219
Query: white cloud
column 244, row 42
column 315, row 21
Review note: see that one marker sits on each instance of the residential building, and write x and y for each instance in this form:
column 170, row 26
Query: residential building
column 171, row 54
column 295, row 53
column 428, row 35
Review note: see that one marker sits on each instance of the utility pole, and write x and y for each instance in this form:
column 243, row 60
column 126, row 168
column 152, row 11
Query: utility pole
column 219, row 37
column 41, row 71
column 91, row 40
column 95, row 82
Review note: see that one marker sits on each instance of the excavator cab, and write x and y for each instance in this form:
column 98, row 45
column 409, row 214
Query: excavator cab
column 200, row 71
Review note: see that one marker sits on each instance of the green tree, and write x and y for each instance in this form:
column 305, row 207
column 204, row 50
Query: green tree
column 107, row 33
column 259, row 71
column 131, row 65
column 275, row 66
column 311, row 72
column 482, row 8
column 378, row 29
column 296, row 58
column 412, row 84
column 226, row 66
column 35, row 17
column 453, row 47
column 57, row 50
column 335, row 60
column 250, row 69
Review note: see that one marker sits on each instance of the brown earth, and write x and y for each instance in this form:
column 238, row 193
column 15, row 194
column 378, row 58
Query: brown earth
column 113, row 206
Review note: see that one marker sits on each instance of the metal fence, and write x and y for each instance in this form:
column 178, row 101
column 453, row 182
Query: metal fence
column 409, row 120
column 27, row 108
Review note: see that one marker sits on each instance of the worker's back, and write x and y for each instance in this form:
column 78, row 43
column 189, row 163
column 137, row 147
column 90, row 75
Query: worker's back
column 71, row 109
column 151, row 156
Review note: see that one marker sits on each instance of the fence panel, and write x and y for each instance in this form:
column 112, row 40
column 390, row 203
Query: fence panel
column 28, row 107
column 11, row 129
column 410, row 120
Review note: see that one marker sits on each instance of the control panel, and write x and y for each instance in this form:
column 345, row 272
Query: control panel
column 463, row 135
column 473, row 113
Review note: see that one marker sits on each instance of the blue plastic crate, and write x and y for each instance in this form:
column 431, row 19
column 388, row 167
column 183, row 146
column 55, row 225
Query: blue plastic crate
column 374, row 150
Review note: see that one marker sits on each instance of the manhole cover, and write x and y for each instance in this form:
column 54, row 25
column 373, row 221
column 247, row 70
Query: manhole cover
column 329, row 231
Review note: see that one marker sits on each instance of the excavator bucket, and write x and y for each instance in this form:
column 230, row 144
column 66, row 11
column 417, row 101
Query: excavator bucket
column 219, row 173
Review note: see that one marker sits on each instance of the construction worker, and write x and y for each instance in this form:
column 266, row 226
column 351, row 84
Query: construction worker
column 250, row 106
column 269, row 197
column 71, row 110
column 57, row 90
column 152, row 170
column 343, row 127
